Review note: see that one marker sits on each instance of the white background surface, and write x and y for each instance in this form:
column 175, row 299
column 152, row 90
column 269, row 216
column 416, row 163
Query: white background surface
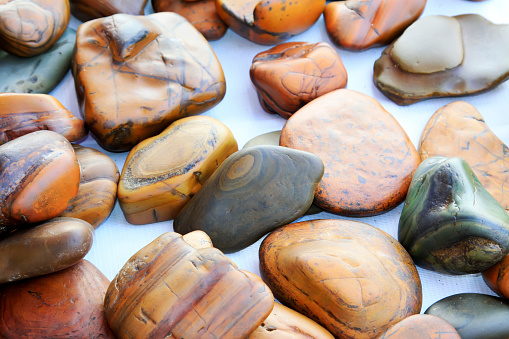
column 116, row 240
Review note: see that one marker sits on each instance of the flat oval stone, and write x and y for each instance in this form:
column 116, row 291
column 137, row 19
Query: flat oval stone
column 472, row 140
column 135, row 75
column 474, row 315
column 169, row 287
column 86, row 10
column 369, row 160
column 352, row 278
column 449, row 222
column 39, row 175
column 290, row 75
column 31, row 27
column 254, row 191
column 421, row 326
column 497, row 277
column 21, row 114
column 359, row 24
column 269, row 22
column 97, row 191
column 161, row 174
column 46, row 248
column 65, row 304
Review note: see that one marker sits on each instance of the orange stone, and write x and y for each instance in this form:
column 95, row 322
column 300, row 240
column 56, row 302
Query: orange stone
column 497, row 277
column 421, row 326
column 92, row 9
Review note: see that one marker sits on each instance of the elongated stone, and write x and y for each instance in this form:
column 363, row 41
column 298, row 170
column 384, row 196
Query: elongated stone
column 252, row 192
column 352, row 278
column 449, row 222
column 497, row 277
column 92, row 9
column 421, row 326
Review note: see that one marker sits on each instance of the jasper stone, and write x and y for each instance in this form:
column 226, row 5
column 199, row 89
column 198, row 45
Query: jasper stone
column 46, row 248
column 350, row 277
column 472, row 140
column 449, row 222
column 65, row 304
column 37, row 74
column 162, row 173
column 39, row 175
column 269, row 22
column 474, row 315
column 421, row 326
column 201, row 14
column 359, row 24
column 369, row 160
column 97, row 191
column 292, row 74
column 135, row 75
column 21, row 114
column 171, row 289
column 497, row 277
column 31, row 27
column 92, row 9
column 254, row 191
column 481, row 40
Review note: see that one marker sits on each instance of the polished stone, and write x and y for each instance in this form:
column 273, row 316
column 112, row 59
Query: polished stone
column 497, row 277
column 86, row 10
column 421, row 326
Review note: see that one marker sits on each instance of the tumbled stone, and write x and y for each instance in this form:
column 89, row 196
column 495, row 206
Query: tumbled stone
column 472, row 140
column 97, row 191
column 137, row 74
column 45, row 248
column 449, row 222
column 39, row 175
column 421, row 326
column 92, row 9
column 169, row 287
column 497, row 277
column 369, row 160
column 269, row 22
column 30, row 27
column 21, row 114
column 474, row 315
column 254, row 191
column 198, row 239
column 292, row 74
column 359, row 24
column 162, row 173
column 65, row 304
column 482, row 41
column 352, row 278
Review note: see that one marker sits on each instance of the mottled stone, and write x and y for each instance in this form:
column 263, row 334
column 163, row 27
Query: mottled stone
column 92, row 9
column 350, row 277
column 290, row 75
column 421, row 326
column 369, row 160
column 497, row 277
column 253, row 192
column 137, row 74
column 449, row 222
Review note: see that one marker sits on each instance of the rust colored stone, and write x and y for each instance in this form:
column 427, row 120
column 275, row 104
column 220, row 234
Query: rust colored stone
column 135, row 75
column 292, row 74
column 421, row 326
column 92, row 9
column 369, row 160
column 21, row 114
column 497, row 277
column 269, row 22
column 198, row 239
column 30, row 27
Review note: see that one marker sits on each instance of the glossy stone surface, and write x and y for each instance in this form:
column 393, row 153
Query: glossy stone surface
column 30, row 27
column 474, row 315
column 64, row 304
column 244, row 198
column 269, row 22
column 161, row 174
column 21, row 114
column 37, row 74
column 171, row 287
column 201, row 14
column 97, row 191
column 350, row 277
column 358, row 24
column 369, row 160
column 484, row 65
column 497, row 277
column 86, row 10
column 472, row 140
column 135, row 75
column 421, row 326
column 290, row 75
column 449, row 222
column 45, row 248
column 39, row 175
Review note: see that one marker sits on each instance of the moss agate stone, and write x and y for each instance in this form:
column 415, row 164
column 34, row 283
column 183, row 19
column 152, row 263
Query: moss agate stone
column 450, row 223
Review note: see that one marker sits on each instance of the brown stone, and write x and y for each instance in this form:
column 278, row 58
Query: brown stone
column 135, row 75
column 92, row 9
column 30, row 27
column 497, row 277
column 369, row 160
column 421, row 326
column 292, row 74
